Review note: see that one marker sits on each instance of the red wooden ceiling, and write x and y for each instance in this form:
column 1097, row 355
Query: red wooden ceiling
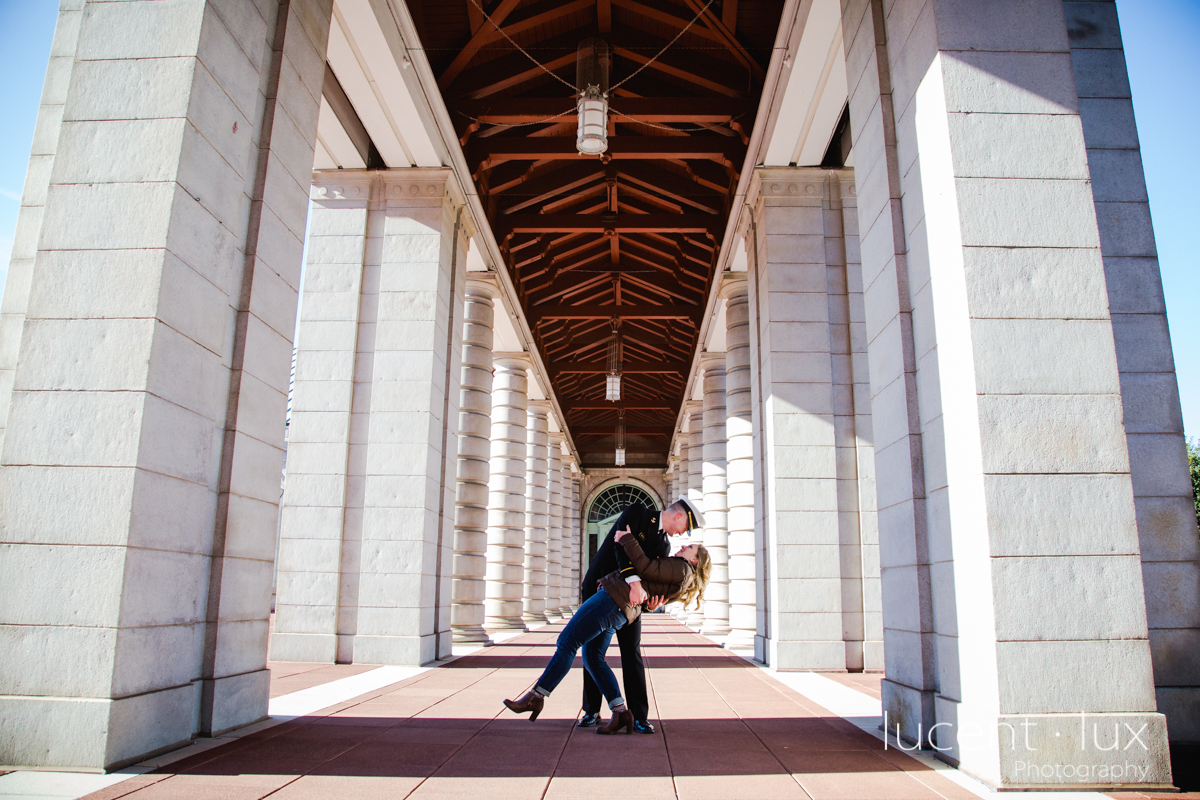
column 632, row 234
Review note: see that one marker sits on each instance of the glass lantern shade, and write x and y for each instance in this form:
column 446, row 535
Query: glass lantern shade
column 612, row 387
column 593, row 123
column 620, row 459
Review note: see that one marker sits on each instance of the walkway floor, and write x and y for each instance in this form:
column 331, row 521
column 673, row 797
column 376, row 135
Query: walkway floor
column 727, row 730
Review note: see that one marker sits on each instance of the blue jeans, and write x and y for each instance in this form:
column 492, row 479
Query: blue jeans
column 592, row 628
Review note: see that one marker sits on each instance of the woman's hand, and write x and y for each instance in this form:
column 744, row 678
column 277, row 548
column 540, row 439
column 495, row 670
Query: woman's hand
column 622, row 534
column 656, row 603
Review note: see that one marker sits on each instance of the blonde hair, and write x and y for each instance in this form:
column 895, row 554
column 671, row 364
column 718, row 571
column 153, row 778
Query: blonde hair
column 694, row 589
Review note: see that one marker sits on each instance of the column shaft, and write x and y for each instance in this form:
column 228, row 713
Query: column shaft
column 506, row 495
column 474, row 465
column 1162, row 496
column 554, row 546
column 716, row 508
column 740, row 466
column 145, row 430
column 534, row 601
column 1026, row 453
column 695, row 485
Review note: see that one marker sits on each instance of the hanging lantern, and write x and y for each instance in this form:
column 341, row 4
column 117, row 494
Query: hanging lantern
column 612, row 383
column 592, row 61
column 620, row 460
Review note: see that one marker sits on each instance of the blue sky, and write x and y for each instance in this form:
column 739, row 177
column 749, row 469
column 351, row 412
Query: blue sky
column 1164, row 69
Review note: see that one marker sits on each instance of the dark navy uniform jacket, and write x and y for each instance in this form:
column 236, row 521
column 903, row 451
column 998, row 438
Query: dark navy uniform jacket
column 643, row 523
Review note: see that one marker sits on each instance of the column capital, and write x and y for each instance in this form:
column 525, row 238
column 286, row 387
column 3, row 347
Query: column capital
column 482, row 285
column 341, row 184
column 541, row 407
column 712, row 361
column 734, row 285
column 412, row 183
column 512, row 361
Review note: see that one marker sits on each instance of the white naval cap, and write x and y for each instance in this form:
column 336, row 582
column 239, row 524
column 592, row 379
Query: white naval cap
column 695, row 518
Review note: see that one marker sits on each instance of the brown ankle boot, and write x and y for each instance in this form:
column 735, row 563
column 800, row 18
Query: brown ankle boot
column 530, row 701
column 622, row 719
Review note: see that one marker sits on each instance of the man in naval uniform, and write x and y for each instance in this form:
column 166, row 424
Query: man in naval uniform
column 651, row 529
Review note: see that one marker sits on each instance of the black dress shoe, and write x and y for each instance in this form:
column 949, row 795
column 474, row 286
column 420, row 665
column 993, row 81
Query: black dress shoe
column 589, row 720
column 642, row 726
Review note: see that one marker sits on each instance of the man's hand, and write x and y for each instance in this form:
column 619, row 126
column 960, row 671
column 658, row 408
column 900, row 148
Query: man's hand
column 637, row 594
column 656, row 603
column 622, row 534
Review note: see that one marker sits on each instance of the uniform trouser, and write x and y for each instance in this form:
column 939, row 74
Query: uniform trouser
column 633, row 674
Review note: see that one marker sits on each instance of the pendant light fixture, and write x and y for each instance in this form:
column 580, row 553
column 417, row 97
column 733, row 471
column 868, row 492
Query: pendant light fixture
column 612, row 383
column 592, row 62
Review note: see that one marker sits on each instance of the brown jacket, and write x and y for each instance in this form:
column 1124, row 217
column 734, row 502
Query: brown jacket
column 665, row 577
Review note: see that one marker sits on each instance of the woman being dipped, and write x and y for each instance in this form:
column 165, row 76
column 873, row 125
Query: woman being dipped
column 680, row 577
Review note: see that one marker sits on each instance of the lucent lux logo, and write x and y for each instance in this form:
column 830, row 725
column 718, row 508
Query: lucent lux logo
column 1096, row 739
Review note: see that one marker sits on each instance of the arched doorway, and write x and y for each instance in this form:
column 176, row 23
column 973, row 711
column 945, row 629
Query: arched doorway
column 606, row 506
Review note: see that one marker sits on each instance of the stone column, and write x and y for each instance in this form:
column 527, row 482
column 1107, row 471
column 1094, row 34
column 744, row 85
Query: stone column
column 802, row 387
column 575, row 532
column 570, row 542
column 354, row 592
column 33, row 198
column 554, row 537
column 739, row 464
column 695, row 484
column 716, row 508
column 1162, row 496
column 474, row 464
column 682, row 467
column 506, row 494
column 534, row 601
column 144, row 436
column 319, row 552
column 1027, row 459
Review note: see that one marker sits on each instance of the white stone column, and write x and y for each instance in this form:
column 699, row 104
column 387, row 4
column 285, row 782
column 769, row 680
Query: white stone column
column 318, row 555
column 682, row 467
column 506, row 493
column 474, row 463
column 695, row 484
column 802, row 386
column 575, row 532
column 716, row 507
column 570, row 541
column 1170, row 549
column 389, row 544
column 144, row 436
column 554, row 537
column 534, row 600
column 33, row 198
column 739, row 450
column 1026, row 457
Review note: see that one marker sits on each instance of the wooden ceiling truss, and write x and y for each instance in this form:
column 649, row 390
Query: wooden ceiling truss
column 629, row 238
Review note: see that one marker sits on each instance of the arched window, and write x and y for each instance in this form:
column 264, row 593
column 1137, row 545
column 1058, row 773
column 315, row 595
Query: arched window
column 605, row 509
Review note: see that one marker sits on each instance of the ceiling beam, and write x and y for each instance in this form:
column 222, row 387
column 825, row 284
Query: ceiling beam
column 497, row 150
column 512, row 110
column 482, row 36
column 598, row 223
column 635, row 368
column 592, row 311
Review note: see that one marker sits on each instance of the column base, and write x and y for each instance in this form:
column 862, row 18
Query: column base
column 739, row 639
column 566, row 611
column 307, row 648
column 908, row 712
column 694, row 620
column 85, row 733
column 819, row 656
column 402, row 651
column 716, row 627
column 470, row 634
column 505, row 626
column 238, row 700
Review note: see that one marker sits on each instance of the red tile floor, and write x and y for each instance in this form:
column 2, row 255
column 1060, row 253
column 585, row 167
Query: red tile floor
column 726, row 730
